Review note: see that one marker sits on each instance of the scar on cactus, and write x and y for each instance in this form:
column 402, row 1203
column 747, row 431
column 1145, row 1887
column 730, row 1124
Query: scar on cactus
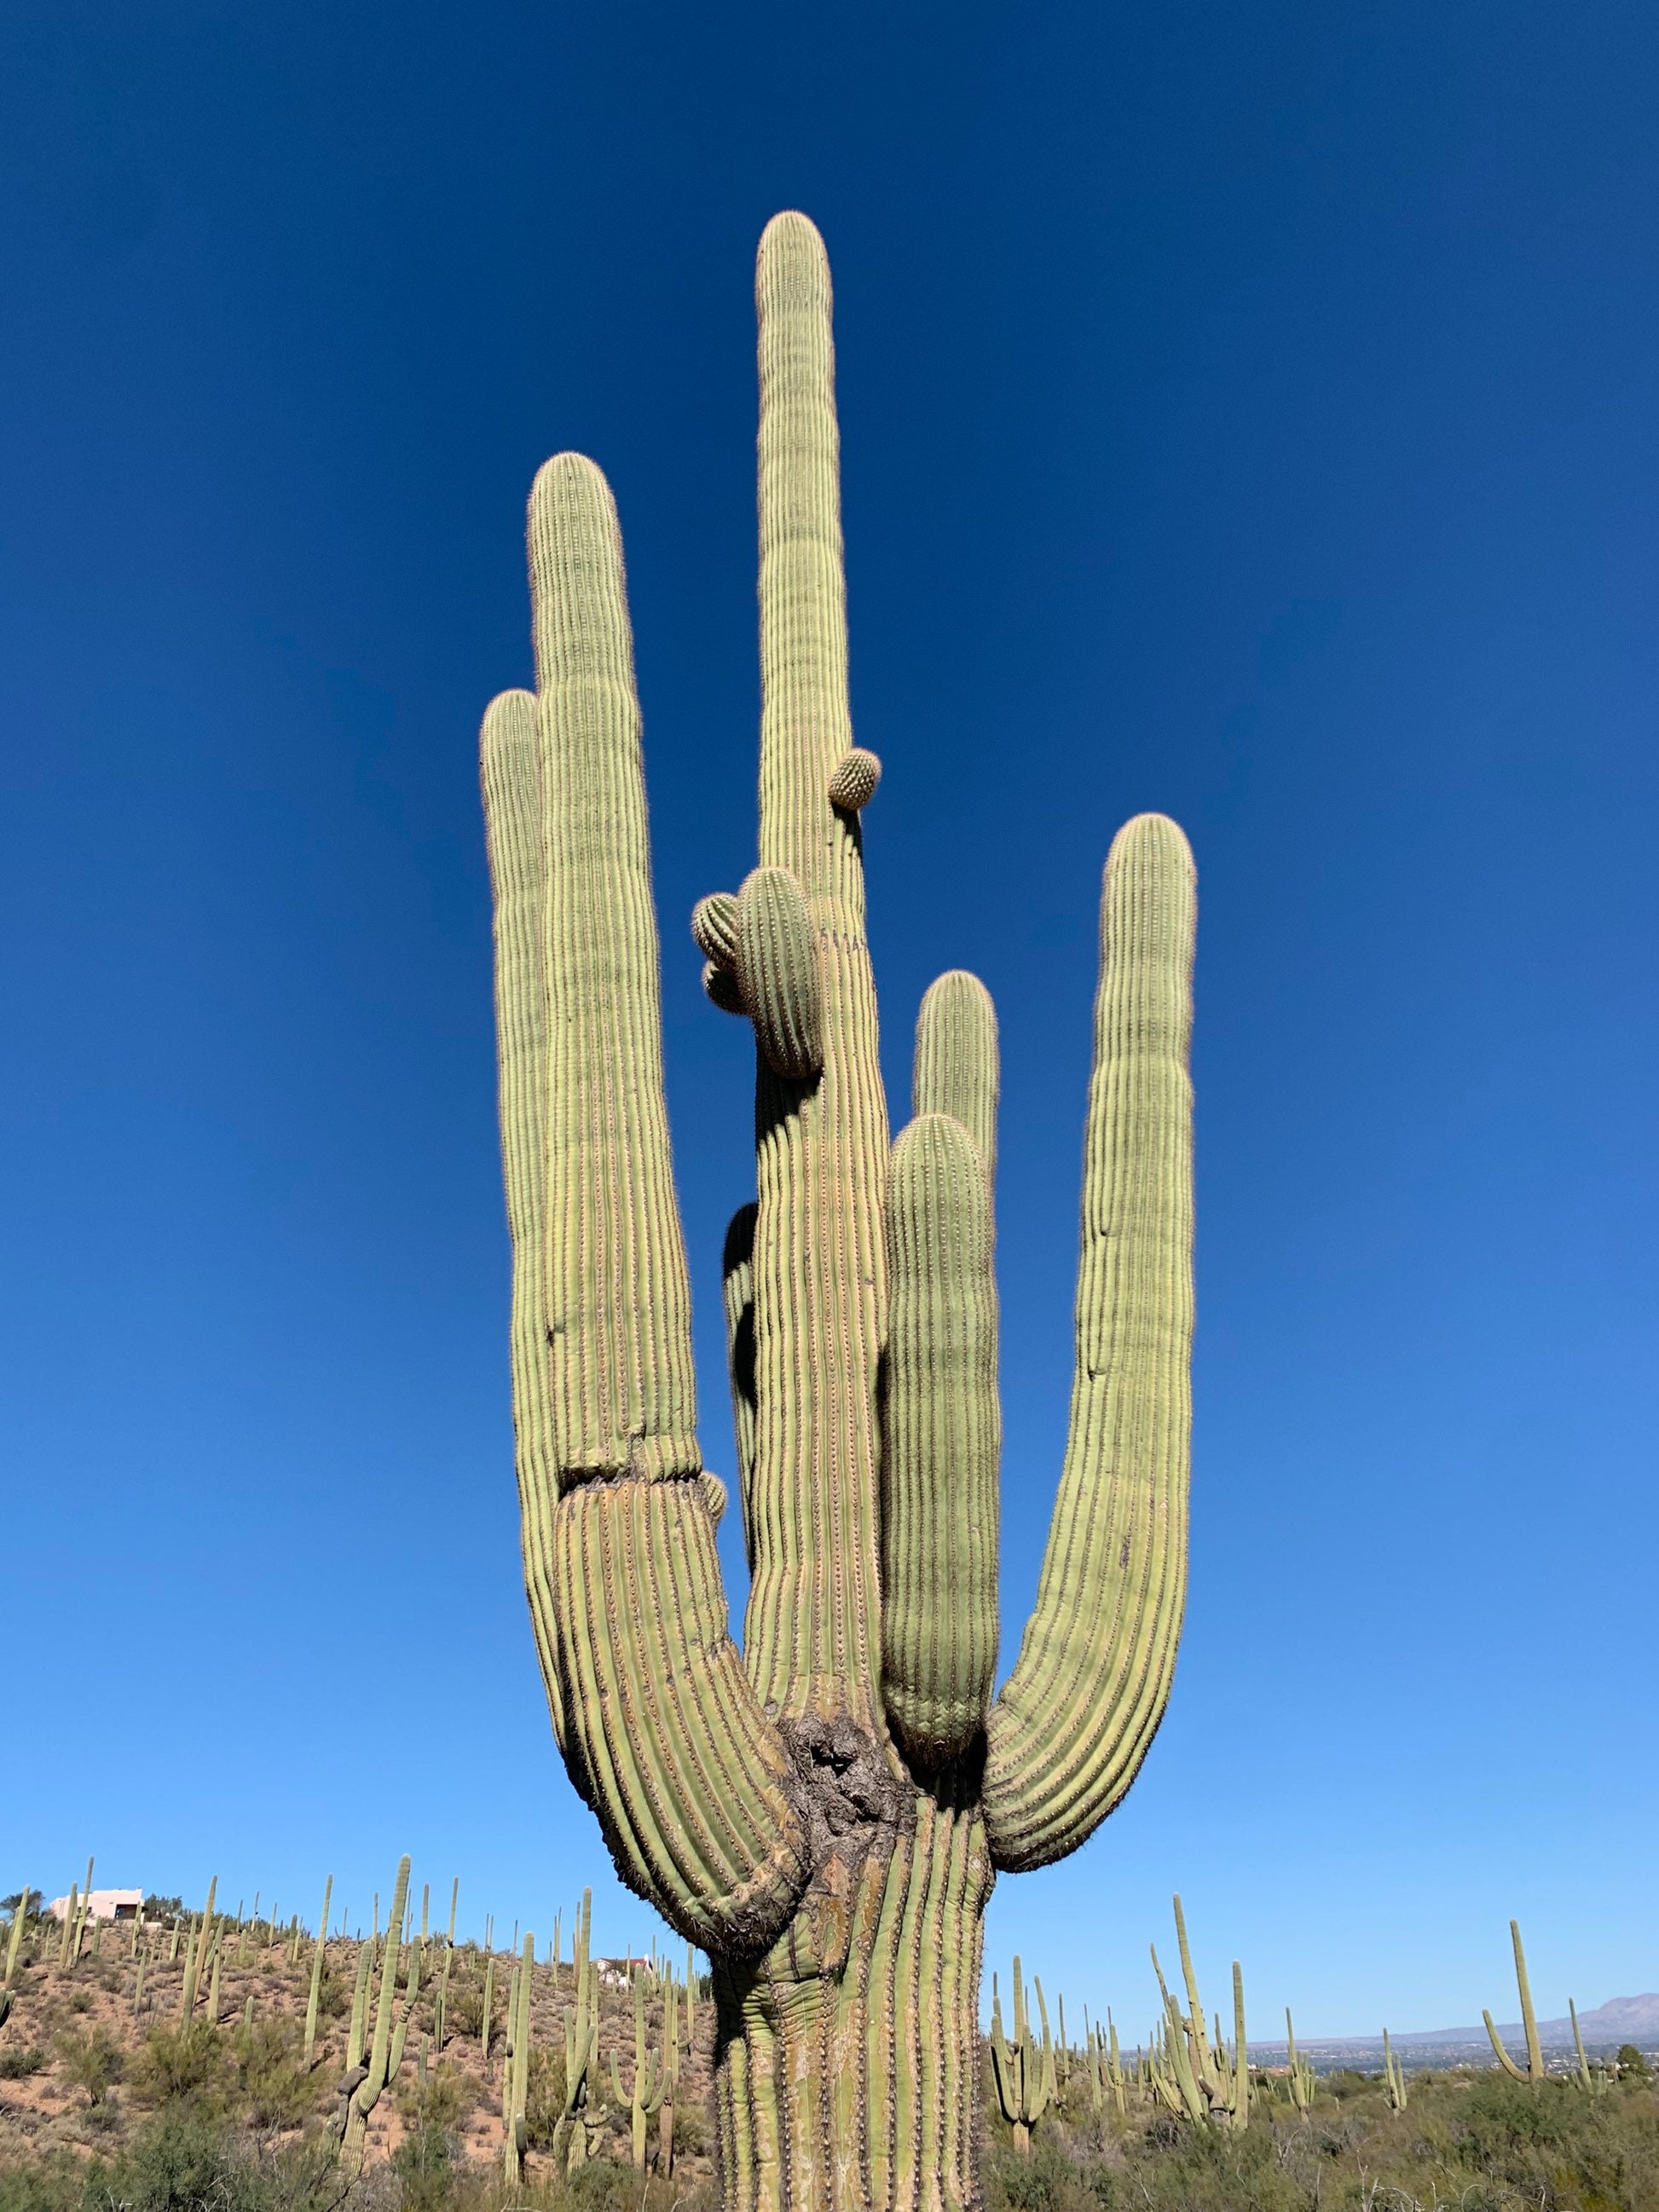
column 824, row 1811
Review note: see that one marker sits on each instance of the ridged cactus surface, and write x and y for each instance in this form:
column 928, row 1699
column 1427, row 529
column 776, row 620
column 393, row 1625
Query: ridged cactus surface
column 825, row 1812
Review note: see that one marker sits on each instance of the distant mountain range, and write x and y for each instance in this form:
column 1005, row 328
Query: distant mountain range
column 1621, row 2020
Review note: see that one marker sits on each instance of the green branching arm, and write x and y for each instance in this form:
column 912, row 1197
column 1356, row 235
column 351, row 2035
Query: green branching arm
column 812, row 1644
column 1076, row 1716
column 660, row 1728
column 942, row 1436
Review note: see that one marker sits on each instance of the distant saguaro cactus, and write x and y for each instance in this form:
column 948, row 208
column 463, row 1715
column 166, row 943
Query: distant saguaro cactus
column 823, row 1813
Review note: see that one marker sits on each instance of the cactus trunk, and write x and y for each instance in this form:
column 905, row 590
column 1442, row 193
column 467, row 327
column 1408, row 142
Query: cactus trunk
column 823, row 1813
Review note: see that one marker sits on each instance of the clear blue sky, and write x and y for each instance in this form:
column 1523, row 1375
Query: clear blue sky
column 1248, row 412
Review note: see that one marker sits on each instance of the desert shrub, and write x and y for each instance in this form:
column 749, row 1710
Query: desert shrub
column 52, row 2184
column 174, row 2063
column 691, row 2128
column 92, row 2062
column 274, row 2085
column 424, row 2164
column 1632, row 2062
column 603, row 2184
column 545, row 2096
column 186, row 2158
column 23, row 2059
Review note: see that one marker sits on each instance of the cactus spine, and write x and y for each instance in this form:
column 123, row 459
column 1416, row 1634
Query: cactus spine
column 824, row 1812
column 1534, row 2070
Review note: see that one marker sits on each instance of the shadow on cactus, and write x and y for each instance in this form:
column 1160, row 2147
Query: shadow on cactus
column 825, row 1812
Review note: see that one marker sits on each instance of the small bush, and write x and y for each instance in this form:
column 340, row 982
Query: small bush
column 18, row 2064
column 92, row 2062
column 174, row 2064
column 274, row 2084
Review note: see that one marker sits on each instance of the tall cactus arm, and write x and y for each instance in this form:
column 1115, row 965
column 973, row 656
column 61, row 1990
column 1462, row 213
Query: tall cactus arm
column 738, row 1295
column 956, row 1068
column 812, row 1641
column 510, row 771
column 662, row 1732
column 1074, row 1719
column 942, row 1436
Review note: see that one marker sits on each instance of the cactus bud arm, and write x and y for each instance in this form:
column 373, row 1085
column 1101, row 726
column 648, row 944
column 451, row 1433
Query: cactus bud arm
column 1075, row 1718
column 942, row 1437
column 813, row 1640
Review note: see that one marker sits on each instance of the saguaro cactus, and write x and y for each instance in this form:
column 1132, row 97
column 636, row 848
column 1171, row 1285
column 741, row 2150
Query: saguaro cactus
column 1025, row 2070
column 1534, row 2069
column 824, row 1812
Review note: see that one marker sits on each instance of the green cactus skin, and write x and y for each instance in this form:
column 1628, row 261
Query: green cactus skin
column 824, row 1813
column 777, row 970
column 1534, row 2070
column 943, row 1442
column 314, row 1996
column 71, row 1928
column 487, row 2023
column 956, row 1069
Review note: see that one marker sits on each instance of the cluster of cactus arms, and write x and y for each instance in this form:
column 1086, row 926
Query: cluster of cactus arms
column 1301, row 2073
column 1533, row 2068
column 1193, row 2075
column 825, row 1812
column 199, row 1945
column 1394, row 2076
column 1024, row 2070
column 515, row 2079
column 372, row 2065
column 581, row 2042
column 653, row 2073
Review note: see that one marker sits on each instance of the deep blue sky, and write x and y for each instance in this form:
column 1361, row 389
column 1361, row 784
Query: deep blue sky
column 1248, row 412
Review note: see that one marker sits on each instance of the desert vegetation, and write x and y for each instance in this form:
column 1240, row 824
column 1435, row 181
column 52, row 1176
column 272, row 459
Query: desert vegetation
column 542, row 2075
